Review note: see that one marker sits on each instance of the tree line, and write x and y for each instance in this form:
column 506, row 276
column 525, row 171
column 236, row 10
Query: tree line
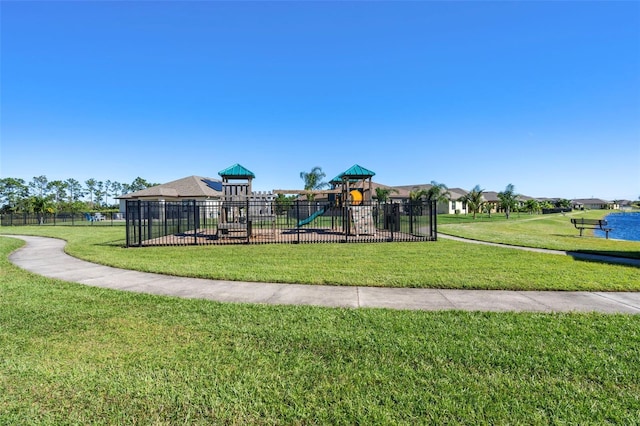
column 41, row 195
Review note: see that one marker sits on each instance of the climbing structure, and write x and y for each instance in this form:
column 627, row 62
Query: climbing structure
column 241, row 208
column 356, row 189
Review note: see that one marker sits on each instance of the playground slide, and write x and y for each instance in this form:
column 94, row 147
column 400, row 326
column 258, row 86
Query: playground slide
column 313, row 216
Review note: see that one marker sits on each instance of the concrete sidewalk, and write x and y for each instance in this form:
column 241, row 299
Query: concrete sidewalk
column 45, row 256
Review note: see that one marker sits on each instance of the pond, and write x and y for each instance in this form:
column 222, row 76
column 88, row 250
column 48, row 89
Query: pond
column 626, row 226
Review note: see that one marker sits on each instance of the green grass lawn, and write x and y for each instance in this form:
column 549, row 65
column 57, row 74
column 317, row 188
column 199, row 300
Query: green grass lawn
column 441, row 264
column 553, row 231
column 71, row 354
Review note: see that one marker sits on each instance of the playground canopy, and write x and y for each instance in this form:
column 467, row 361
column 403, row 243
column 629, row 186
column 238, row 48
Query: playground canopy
column 349, row 179
column 355, row 172
column 237, row 171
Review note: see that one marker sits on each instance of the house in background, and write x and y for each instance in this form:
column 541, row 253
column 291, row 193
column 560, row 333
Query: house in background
column 625, row 204
column 455, row 204
column 188, row 188
column 211, row 190
column 492, row 202
column 594, row 204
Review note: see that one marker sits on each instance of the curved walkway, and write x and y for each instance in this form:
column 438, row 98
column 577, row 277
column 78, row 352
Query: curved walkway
column 46, row 256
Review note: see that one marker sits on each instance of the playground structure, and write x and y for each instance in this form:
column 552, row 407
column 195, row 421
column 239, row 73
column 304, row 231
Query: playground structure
column 344, row 213
column 241, row 208
column 349, row 198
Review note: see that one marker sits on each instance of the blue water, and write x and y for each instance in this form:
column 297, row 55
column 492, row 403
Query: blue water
column 626, row 226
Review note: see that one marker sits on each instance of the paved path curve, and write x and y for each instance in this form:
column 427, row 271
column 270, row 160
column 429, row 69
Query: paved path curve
column 46, row 256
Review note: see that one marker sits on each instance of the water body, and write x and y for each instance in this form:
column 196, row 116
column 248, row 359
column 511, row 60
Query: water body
column 626, row 226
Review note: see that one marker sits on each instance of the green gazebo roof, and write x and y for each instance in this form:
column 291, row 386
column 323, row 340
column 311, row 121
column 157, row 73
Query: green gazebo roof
column 354, row 172
column 237, row 171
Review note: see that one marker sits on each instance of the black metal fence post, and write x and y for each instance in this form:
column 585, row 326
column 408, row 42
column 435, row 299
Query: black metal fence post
column 126, row 223
column 166, row 218
column 196, row 223
column 249, row 224
column 139, row 208
column 298, row 221
column 434, row 220
column 392, row 219
column 346, row 224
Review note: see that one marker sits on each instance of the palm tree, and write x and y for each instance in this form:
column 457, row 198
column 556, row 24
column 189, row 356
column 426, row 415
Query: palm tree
column 508, row 199
column 532, row 206
column 564, row 203
column 414, row 206
column 41, row 205
column 438, row 192
column 474, row 199
column 546, row 205
column 313, row 181
column 382, row 194
column 416, row 194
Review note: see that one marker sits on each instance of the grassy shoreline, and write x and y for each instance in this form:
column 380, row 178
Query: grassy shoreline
column 541, row 231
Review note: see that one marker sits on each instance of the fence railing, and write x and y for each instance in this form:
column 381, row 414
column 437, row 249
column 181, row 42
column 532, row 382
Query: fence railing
column 63, row 219
column 191, row 222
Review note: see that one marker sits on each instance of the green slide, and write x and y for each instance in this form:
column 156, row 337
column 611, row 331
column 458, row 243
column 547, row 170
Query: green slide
column 313, row 216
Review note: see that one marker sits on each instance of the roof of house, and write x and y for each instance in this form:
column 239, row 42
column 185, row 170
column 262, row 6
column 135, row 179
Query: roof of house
column 457, row 193
column 454, row 193
column 490, row 196
column 395, row 191
column 590, row 201
column 187, row 187
column 417, row 187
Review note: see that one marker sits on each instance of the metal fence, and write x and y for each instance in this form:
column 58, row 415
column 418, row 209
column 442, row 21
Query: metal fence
column 152, row 223
column 63, row 219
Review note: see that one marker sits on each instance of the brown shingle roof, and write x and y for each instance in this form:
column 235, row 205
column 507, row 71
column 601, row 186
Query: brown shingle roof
column 188, row 187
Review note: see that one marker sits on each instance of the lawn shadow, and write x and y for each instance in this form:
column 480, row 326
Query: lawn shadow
column 628, row 258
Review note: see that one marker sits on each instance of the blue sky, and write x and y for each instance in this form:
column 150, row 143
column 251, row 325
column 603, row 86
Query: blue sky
column 543, row 95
